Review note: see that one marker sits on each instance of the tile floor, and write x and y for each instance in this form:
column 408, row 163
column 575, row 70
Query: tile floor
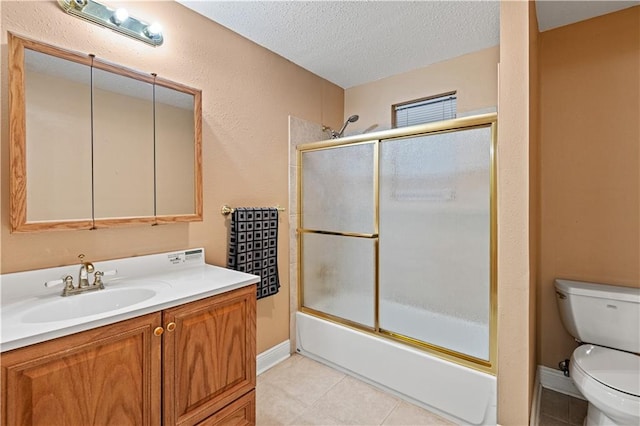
column 300, row 391
column 557, row 409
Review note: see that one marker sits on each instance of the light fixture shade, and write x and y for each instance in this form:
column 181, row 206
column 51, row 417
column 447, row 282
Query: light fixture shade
column 154, row 30
column 119, row 16
column 116, row 20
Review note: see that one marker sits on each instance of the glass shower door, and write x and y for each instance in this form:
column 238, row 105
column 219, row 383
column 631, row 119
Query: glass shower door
column 338, row 234
column 435, row 239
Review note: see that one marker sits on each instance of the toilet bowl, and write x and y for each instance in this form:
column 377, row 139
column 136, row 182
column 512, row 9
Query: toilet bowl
column 608, row 379
column 606, row 367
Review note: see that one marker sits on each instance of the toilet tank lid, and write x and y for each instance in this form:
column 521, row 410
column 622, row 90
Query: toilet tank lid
column 581, row 288
column 615, row 369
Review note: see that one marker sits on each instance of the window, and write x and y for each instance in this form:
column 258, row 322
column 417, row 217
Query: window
column 424, row 110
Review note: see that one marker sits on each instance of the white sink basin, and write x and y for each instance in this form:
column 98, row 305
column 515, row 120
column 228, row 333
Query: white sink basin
column 83, row 305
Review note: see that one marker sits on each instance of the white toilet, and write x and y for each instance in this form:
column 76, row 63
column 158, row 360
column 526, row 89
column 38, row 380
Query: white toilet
column 606, row 368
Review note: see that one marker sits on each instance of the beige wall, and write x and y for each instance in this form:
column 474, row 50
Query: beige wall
column 514, row 287
column 248, row 94
column 474, row 76
column 590, row 184
column 534, row 189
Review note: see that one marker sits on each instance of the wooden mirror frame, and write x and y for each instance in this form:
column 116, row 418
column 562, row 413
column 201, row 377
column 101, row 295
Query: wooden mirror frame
column 18, row 143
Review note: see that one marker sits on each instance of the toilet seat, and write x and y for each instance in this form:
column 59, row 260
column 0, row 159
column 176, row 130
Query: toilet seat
column 615, row 369
column 601, row 383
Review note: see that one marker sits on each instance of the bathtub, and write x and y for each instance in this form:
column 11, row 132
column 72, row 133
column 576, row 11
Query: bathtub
column 459, row 393
column 460, row 335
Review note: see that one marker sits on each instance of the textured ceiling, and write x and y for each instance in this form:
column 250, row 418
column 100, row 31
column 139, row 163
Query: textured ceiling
column 355, row 42
column 553, row 13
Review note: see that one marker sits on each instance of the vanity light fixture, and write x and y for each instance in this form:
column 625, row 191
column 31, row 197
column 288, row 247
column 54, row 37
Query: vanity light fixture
column 117, row 20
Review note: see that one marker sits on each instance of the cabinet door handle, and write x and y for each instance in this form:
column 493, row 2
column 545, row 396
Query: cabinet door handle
column 171, row 326
column 158, row 331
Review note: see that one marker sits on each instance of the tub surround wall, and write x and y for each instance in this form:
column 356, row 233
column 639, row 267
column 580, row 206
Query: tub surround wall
column 300, row 132
column 248, row 93
column 590, row 162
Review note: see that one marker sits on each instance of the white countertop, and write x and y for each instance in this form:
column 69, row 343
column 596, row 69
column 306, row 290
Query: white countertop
column 175, row 277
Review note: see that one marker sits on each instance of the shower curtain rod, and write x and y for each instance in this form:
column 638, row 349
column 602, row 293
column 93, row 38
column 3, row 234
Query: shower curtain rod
column 226, row 210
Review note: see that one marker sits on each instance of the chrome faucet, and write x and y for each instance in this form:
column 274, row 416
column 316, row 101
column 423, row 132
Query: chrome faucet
column 86, row 268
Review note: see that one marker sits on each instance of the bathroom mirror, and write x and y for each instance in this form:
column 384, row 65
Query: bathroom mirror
column 93, row 144
column 123, row 139
column 59, row 103
column 174, row 150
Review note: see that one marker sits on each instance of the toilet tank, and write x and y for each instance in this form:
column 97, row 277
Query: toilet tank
column 601, row 314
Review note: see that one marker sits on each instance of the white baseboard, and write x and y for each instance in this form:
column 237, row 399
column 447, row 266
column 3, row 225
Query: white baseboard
column 273, row 356
column 555, row 380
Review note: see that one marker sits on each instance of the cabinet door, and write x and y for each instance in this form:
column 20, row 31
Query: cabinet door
column 210, row 356
column 107, row 376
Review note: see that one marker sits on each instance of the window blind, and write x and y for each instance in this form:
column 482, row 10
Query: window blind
column 426, row 111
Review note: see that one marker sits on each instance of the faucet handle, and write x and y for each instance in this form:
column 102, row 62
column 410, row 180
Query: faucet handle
column 67, row 281
column 97, row 279
column 109, row 272
column 54, row 283
column 97, row 276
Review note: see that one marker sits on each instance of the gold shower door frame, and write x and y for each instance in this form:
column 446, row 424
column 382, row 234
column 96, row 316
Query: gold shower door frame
column 459, row 124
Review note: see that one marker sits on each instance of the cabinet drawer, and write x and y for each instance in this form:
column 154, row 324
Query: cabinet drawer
column 239, row 413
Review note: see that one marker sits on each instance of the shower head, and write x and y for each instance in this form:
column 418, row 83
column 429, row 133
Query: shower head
column 351, row 119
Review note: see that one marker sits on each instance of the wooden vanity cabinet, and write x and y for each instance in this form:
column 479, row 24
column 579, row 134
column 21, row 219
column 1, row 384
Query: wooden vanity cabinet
column 192, row 364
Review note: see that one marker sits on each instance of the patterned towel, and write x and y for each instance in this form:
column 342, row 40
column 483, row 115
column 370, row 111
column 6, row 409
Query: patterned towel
column 253, row 246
